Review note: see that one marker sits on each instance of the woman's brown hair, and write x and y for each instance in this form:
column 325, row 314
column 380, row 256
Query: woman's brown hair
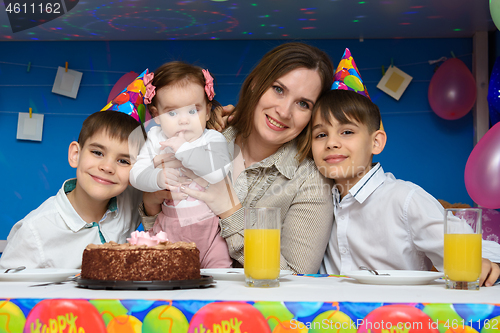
column 276, row 63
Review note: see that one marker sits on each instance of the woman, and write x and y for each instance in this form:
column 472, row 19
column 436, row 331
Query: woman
column 268, row 122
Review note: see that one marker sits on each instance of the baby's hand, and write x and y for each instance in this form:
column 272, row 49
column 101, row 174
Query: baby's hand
column 169, row 179
column 174, row 142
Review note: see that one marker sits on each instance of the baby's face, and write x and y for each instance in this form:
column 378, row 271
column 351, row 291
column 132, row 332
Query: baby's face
column 341, row 151
column 182, row 109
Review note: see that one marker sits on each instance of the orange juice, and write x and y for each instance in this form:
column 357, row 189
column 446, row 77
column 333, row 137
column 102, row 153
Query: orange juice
column 262, row 253
column 462, row 256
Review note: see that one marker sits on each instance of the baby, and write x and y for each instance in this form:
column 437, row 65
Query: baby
column 180, row 98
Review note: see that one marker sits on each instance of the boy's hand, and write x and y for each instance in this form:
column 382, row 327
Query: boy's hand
column 174, row 142
column 490, row 272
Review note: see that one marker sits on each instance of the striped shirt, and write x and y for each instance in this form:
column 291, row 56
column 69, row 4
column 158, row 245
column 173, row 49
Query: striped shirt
column 304, row 197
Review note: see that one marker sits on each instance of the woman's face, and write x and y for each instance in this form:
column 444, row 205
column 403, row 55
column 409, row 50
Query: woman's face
column 284, row 109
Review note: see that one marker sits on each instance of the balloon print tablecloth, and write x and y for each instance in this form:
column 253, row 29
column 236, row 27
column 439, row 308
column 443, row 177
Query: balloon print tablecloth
column 201, row 316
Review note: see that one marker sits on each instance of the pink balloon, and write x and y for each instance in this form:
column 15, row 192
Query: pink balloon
column 121, row 84
column 452, row 91
column 482, row 171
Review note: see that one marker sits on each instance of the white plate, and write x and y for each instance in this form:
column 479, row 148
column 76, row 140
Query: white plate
column 39, row 275
column 233, row 273
column 395, row 277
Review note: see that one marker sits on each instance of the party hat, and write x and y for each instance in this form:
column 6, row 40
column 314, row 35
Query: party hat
column 131, row 99
column 347, row 77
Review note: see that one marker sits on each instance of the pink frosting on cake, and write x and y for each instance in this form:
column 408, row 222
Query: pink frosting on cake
column 144, row 238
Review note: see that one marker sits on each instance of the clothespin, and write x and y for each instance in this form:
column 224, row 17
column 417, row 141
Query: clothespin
column 29, row 67
column 66, row 66
column 383, row 70
column 31, row 112
column 453, row 54
column 432, row 62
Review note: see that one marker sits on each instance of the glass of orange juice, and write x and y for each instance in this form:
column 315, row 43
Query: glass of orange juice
column 262, row 247
column 462, row 248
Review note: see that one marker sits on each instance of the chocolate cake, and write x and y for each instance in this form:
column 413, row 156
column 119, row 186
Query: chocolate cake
column 126, row 262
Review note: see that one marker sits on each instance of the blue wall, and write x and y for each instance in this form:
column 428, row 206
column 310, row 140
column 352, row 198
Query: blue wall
column 422, row 147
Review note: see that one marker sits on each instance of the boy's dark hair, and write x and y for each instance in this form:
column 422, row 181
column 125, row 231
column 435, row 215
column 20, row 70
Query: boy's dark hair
column 345, row 106
column 180, row 73
column 117, row 125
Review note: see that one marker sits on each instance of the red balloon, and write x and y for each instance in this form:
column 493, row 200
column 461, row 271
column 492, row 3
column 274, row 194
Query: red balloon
column 121, row 84
column 64, row 315
column 121, row 99
column 482, row 171
column 228, row 317
column 452, row 91
column 397, row 318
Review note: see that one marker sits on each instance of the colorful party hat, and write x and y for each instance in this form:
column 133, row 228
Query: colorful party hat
column 347, row 77
column 131, row 99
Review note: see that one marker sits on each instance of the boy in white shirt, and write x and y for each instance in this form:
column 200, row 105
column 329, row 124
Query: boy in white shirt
column 97, row 207
column 380, row 222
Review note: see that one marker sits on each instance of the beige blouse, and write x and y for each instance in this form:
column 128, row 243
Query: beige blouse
column 305, row 199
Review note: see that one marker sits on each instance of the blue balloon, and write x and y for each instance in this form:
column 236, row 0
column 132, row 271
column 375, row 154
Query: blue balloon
column 473, row 312
column 136, row 305
column 360, row 310
column 352, row 71
column 494, row 93
column 303, row 309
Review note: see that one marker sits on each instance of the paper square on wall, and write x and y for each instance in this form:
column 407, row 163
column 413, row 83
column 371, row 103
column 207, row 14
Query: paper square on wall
column 30, row 128
column 67, row 83
column 394, row 82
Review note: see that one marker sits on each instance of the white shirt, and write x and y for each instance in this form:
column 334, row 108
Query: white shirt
column 54, row 235
column 207, row 156
column 386, row 223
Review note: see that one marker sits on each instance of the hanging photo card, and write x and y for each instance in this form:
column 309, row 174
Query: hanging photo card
column 30, row 128
column 394, row 82
column 67, row 82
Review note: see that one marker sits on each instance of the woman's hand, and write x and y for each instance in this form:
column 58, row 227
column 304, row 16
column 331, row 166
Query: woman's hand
column 220, row 197
column 222, row 117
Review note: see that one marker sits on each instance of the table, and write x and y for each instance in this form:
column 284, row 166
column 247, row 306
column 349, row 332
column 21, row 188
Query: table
column 309, row 303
